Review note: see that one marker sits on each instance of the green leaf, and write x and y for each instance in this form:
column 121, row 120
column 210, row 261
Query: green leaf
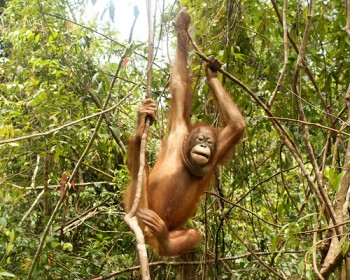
column 100, row 87
column 345, row 248
column 115, row 130
column 14, row 144
column 68, row 247
column 335, row 178
column 7, row 274
column 93, row 80
column 3, row 222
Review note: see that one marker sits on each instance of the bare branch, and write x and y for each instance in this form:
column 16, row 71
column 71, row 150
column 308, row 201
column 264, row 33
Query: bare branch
column 244, row 209
column 262, row 263
column 32, row 185
column 109, row 125
column 285, row 62
column 347, row 26
column 342, row 200
column 35, row 170
column 324, row 196
column 130, row 218
column 340, row 131
column 324, row 229
column 31, row 208
column 314, row 258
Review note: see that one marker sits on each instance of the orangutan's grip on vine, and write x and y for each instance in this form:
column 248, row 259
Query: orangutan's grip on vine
column 188, row 158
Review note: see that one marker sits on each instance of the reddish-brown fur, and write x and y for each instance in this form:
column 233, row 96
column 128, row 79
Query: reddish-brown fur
column 173, row 188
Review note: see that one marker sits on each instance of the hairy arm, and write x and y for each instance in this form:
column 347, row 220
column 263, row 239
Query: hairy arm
column 148, row 108
column 179, row 81
column 232, row 119
column 169, row 243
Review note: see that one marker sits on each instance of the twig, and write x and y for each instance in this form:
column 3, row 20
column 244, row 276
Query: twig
column 35, row 171
column 150, row 47
column 109, row 125
column 346, row 202
column 314, row 258
column 32, row 186
column 323, row 229
column 85, row 213
column 31, row 208
column 270, row 269
column 79, row 221
column 285, row 63
column 85, row 27
column 347, row 26
column 302, row 48
column 244, row 209
column 341, row 131
column 96, row 169
column 54, row 187
column 46, row 230
column 344, row 185
column 284, row 181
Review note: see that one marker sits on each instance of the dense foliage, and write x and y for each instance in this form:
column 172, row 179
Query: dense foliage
column 262, row 217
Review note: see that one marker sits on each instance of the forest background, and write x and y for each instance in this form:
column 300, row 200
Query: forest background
column 278, row 209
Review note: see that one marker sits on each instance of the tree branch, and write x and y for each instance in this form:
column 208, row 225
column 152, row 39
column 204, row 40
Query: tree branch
column 333, row 257
column 324, row 196
column 285, row 62
column 347, row 26
column 130, row 218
